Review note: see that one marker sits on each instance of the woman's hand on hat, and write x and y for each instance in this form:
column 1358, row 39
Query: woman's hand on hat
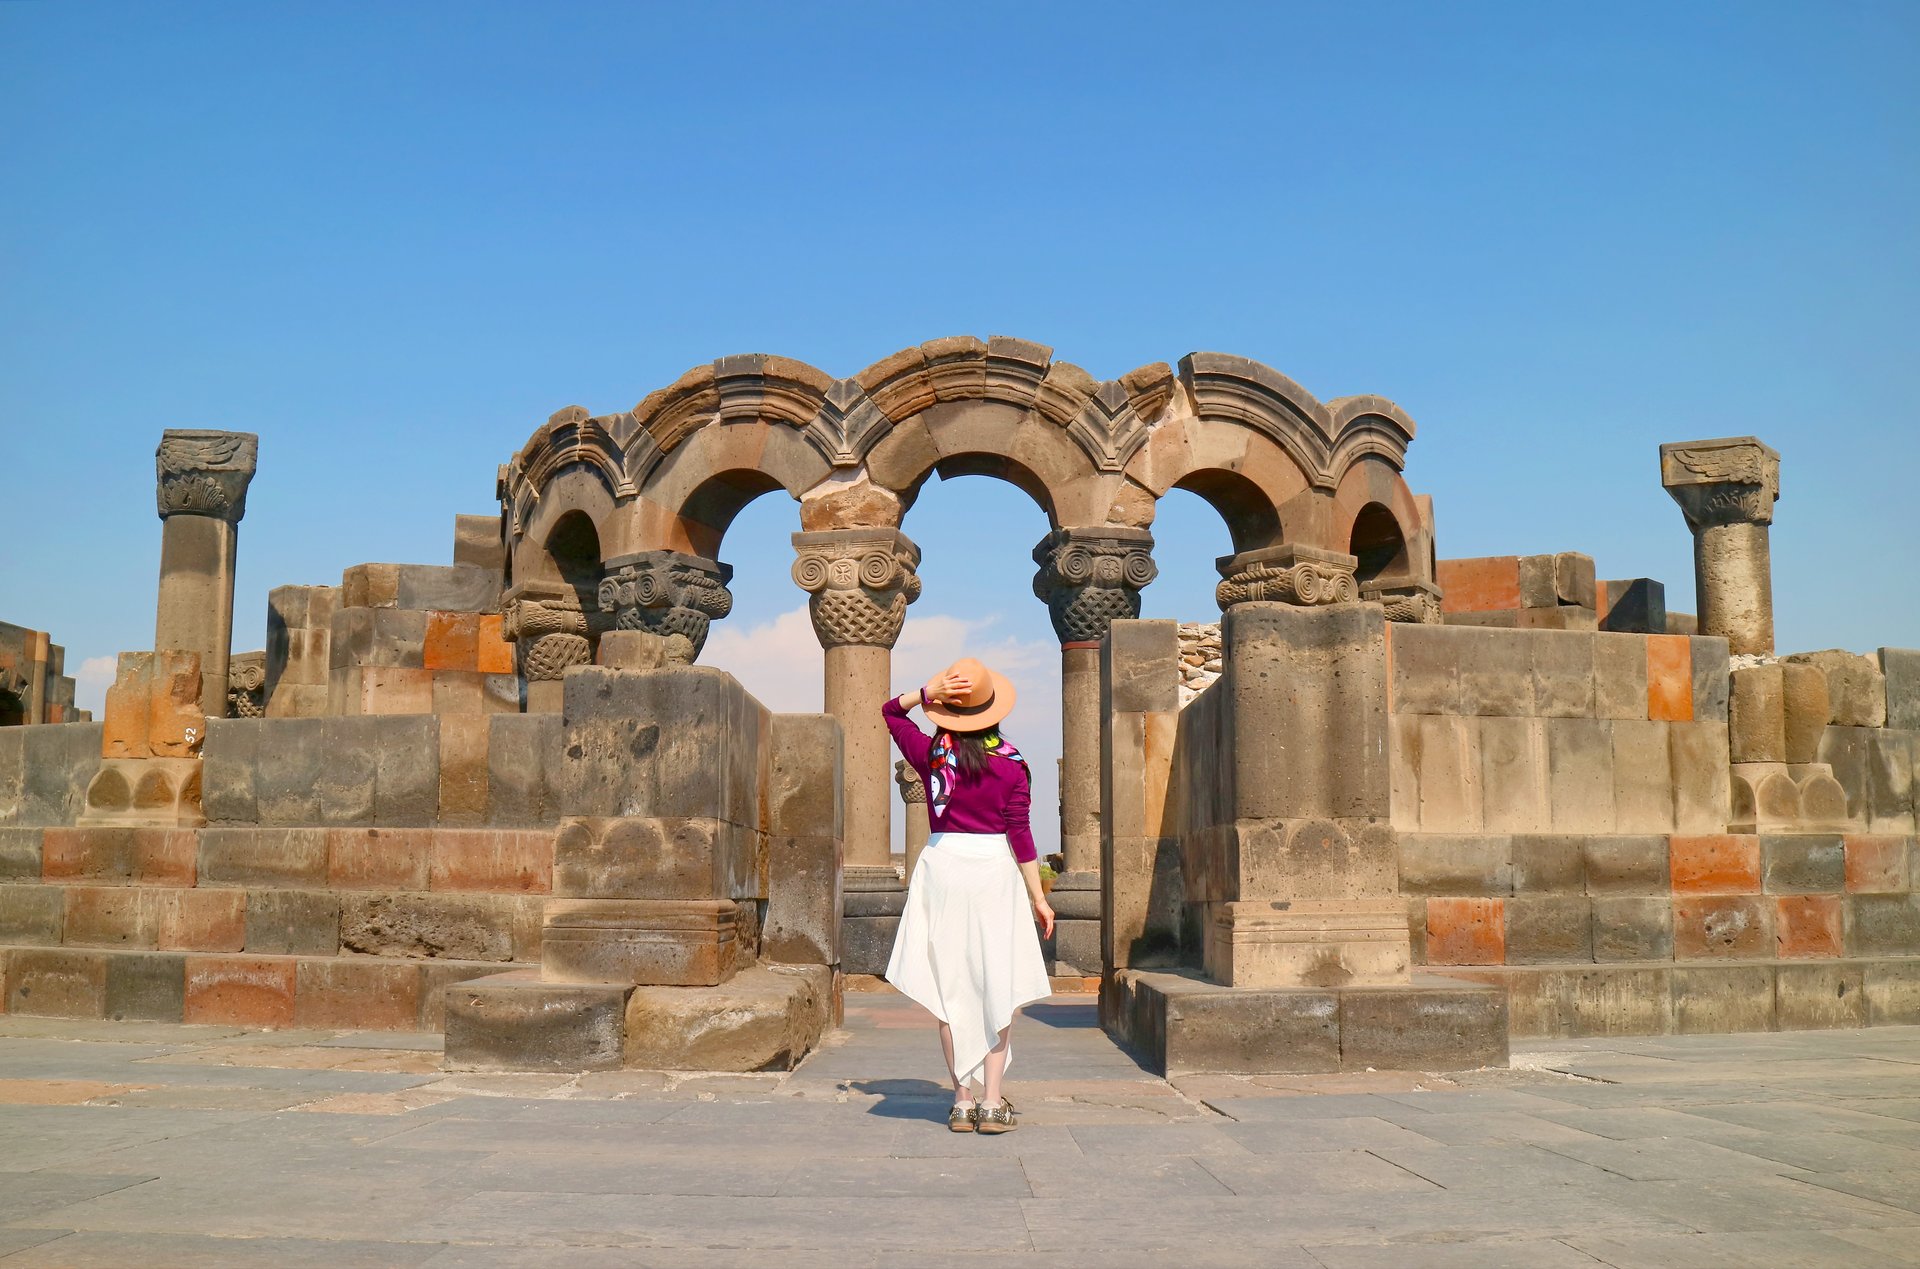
column 948, row 689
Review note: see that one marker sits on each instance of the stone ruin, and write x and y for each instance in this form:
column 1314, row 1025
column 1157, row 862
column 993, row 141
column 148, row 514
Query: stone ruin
column 34, row 685
column 1390, row 811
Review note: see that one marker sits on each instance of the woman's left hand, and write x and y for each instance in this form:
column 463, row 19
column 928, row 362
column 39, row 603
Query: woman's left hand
column 1043, row 913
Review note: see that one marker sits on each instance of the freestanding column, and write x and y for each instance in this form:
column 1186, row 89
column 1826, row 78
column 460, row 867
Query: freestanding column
column 1089, row 578
column 1726, row 488
column 913, row 795
column 202, row 495
column 861, row 581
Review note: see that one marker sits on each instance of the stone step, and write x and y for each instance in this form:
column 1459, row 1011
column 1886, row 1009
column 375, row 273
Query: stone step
column 240, row 989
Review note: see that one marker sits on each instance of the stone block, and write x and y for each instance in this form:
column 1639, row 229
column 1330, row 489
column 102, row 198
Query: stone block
column 1076, row 947
column 1716, row 999
column 1757, row 714
column 1702, row 789
column 146, row 987
column 406, row 782
column 1809, row 925
column 623, row 762
column 1463, row 931
column 1632, row 928
column 1140, row 666
column 1306, row 943
column 1549, row 864
column 866, row 943
column 1580, row 775
column 1802, row 864
column 88, row 854
column 394, row 689
column 496, row 861
column 1805, row 707
column 479, row 542
column 1562, row 673
column 200, row 920
column 1620, row 676
column 291, row 763
column 58, row 762
column 1892, row 757
column 1618, row 865
column 1718, row 864
column 1514, row 774
column 20, row 854
column 435, row 978
column 1470, row 864
column 1426, row 669
column 109, row 916
column 1143, row 895
column 1876, row 864
column 1669, row 678
column 684, row 943
column 378, row 858
column 1496, row 673
column 12, row 774
column 1551, row 581
column 57, row 982
column 1820, row 997
column 1711, row 679
column 369, row 994
column 31, row 914
column 344, row 786
column 658, row 858
column 1542, row 929
column 1486, row 584
column 263, row 856
column 760, row 1020
column 492, row 654
column 803, row 901
column 1900, row 668
column 1446, row 765
column 461, row 588
column 455, row 927
column 293, row 922
column 805, row 777
column 227, row 762
column 1642, row 777
column 451, row 641
column 1856, row 688
column 515, row 1022
column 1180, row 1024
column 1722, row 926
column 1423, row 1027
column 1893, row 993
column 521, row 751
column 1883, row 924
column 249, row 991
column 1634, row 605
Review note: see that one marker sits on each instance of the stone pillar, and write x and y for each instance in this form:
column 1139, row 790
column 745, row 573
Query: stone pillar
column 1089, row 578
column 913, row 795
column 1726, row 489
column 545, row 621
column 861, row 581
column 201, row 490
column 669, row 594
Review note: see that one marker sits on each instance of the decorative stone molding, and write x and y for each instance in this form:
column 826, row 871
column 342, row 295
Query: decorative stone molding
column 247, row 685
column 546, row 620
column 860, row 580
column 1735, row 480
column 670, row 594
column 912, row 792
column 205, row 473
column 1413, row 602
column 1287, row 574
column 1090, row 578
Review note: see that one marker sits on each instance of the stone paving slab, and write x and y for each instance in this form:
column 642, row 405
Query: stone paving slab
column 166, row 1145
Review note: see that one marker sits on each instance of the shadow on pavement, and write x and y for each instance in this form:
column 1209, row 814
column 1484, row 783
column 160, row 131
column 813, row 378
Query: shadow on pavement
column 906, row 1099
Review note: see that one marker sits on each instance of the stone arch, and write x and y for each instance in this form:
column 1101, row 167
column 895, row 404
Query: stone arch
column 1256, row 485
column 1373, row 509
column 1378, row 545
column 571, row 549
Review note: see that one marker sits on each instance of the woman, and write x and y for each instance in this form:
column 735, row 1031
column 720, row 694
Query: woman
column 966, row 950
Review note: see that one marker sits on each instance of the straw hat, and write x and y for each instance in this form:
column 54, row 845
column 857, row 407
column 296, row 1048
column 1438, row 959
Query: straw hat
column 990, row 699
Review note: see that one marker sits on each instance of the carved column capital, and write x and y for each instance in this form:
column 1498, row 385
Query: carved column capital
column 670, row 594
column 546, row 621
column 860, row 580
column 247, row 685
column 1413, row 602
column 911, row 790
column 1735, row 480
column 1288, row 574
column 1089, row 578
column 204, row 473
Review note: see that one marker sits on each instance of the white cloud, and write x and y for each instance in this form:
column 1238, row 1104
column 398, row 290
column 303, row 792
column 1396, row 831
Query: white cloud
column 781, row 663
column 91, row 681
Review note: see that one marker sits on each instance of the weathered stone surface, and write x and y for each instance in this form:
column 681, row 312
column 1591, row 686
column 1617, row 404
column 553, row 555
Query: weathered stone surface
column 1634, row 605
column 635, row 858
column 1456, row 864
column 20, row 854
column 1548, row 929
column 1620, row 675
column 1883, row 924
column 457, row 927
column 478, row 542
column 406, row 782
column 1722, row 926
column 31, row 914
column 1900, row 667
column 57, row 982
column 1819, row 997
column 1805, row 709
column 1757, row 714
column 1549, row 864
column 1180, row 1024
column 515, row 1022
column 522, row 752
column 146, row 986
column 760, row 1020
column 621, row 760
column 1802, row 864
column 1617, row 865
column 293, row 922
column 1431, row 1026
column 1856, row 687
column 685, row 943
column 1721, row 998
column 866, row 943
column 1632, row 928
column 263, row 856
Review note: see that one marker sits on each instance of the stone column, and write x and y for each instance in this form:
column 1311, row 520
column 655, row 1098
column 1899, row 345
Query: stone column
column 913, row 795
column 861, row 581
column 202, row 480
column 1726, row 489
column 669, row 594
column 545, row 621
column 1089, row 578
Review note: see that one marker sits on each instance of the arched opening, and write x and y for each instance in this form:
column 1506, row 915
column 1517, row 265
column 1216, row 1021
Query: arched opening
column 1189, row 534
column 1251, row 518
column 1378, row 544
column 710, row 510
column 573, row 550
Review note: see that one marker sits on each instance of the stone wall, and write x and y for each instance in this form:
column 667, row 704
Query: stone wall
column 34, row 684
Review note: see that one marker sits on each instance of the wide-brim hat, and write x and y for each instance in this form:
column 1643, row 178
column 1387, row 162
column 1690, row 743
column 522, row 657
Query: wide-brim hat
column 990, row 700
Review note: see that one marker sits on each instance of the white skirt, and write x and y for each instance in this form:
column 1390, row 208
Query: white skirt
column 967, row 950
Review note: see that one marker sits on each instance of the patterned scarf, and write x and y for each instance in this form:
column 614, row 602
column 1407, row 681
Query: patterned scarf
column 946, row 772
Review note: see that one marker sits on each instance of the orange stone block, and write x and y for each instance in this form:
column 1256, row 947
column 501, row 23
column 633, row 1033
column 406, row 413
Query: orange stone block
column 176, row 726
column 251, row 991
column 1669, row 679
column 378, row 858
column 1808, row 925
column 1725, row 864
column 166, row 856
column 493, row 861
column 74, row 854
column 128, row 709
column 492, row 654
column 108, row 916
column 389, row 689
column 1488, row 584
column 369, row 994
column 1466, row 931
column 451, row 638
column 1876, row 865
column 203, row 920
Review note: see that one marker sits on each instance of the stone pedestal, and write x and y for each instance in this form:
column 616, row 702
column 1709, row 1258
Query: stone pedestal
column 871, row 901
column 1075, row 899
column 660, row 942
column 202, row 496
column 1308, row 943
column 1726, row 489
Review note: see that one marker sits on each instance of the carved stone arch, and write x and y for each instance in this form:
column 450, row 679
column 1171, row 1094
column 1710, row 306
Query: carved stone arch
column 1257, row 486
column 1369, row 426
column 1243, row 392
column 689, row 499
column 570, row 440
column 1381, row 523
column 991, row 438
column 757, row 390
column 575, row 494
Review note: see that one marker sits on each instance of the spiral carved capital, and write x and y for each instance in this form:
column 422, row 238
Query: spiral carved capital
column 1287, row 575
column 1090, row 578
column 860, row 582
column 670, row 594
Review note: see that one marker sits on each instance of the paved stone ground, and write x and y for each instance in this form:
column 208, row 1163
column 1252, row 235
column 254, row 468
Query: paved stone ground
column 137, row 1144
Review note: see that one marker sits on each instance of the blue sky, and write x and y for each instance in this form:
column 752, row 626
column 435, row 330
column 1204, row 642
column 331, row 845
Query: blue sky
column 393, row 238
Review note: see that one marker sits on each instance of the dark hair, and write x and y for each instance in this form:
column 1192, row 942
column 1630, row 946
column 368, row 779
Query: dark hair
column 970, row 750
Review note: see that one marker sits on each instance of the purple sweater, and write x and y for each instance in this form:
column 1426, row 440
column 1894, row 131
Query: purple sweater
column 995, row 801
